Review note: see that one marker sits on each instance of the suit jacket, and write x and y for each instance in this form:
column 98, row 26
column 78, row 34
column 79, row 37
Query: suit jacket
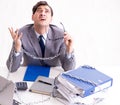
column 54, row 45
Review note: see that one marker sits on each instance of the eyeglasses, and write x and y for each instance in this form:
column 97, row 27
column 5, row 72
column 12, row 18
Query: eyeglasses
column 63, row 26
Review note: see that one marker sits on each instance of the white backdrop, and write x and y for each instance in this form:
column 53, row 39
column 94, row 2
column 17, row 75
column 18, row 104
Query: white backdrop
column 93, row 24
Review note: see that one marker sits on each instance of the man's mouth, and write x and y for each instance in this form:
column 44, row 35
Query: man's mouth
column 42, row 19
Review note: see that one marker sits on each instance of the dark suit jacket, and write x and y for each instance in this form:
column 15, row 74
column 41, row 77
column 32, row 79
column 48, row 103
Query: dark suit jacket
column 54, row 45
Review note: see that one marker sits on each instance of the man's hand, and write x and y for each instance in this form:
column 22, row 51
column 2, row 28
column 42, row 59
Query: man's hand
column 68, row 42
column 16, row 38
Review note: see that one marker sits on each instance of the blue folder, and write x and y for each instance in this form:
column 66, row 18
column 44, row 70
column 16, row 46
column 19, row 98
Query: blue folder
column 32, row 72
column 87, row 79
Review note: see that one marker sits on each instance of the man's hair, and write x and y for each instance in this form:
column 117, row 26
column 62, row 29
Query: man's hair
column 39, row 4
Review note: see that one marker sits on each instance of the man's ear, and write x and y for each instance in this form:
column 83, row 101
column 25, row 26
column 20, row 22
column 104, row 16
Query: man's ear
column 32, row 17
column 51, row 19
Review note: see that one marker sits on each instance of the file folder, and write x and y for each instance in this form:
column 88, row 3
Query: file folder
column 32, row 72
column 87, row 79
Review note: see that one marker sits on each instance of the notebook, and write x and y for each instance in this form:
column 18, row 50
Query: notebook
column 42, row 85
column 6, row 91
column 32, row 72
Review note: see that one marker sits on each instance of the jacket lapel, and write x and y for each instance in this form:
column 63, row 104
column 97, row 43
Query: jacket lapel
column 34, row 41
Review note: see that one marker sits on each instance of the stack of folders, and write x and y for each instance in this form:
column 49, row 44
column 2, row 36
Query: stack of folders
column 74, row 85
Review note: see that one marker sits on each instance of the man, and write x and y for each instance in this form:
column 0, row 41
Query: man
column 58, row 50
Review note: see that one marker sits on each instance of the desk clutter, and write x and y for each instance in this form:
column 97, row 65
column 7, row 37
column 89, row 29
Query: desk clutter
column 70, row 87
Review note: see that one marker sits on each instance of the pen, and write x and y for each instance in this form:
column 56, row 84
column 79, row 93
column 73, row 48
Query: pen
column 44, row 82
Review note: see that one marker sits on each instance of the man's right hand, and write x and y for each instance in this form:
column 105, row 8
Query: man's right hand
column 16, row 38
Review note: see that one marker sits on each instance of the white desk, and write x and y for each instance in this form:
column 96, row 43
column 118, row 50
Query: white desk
column 111, row 96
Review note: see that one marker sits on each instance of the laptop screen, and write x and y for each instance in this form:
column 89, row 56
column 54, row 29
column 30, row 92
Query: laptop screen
column 6, row 91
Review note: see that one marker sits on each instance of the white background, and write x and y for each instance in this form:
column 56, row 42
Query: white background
column 93, row 24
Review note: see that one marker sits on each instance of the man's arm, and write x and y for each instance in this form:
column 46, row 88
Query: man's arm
column 15, row 56
column 14, row 60
column 68, row 60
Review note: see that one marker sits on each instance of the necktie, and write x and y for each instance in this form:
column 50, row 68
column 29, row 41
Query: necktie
column 41, row 42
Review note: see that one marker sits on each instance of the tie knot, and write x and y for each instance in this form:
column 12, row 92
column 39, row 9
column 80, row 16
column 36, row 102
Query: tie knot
column 41, row 37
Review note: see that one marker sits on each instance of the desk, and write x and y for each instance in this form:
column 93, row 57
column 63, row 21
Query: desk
column 111, row 96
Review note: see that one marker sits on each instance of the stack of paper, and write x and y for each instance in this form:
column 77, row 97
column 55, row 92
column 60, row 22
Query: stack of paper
column 81, row 82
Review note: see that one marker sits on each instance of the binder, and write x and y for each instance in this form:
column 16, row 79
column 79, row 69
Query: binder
column 85, row 80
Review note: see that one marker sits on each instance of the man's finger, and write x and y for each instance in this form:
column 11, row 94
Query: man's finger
column 20, row 36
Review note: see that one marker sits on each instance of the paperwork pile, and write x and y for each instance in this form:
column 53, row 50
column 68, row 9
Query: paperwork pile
column 73, row 86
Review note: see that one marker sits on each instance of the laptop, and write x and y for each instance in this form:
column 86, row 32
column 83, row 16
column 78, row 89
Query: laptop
column 6, row 91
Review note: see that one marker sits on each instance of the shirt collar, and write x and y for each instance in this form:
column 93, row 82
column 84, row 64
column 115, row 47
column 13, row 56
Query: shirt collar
column 44, row 35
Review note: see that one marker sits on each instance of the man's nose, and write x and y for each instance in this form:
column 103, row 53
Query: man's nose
column 42, row 13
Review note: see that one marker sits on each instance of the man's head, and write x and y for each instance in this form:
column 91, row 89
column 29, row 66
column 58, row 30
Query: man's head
column 42, row 14
column 41, row 3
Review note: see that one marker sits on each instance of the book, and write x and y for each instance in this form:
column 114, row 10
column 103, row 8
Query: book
column 85, row 80
column 32, row 72
column 43, row 85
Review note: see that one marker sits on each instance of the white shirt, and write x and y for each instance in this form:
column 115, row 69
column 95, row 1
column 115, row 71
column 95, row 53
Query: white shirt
column 44, row 36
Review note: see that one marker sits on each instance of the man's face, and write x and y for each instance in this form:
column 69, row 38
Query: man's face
column 42, row 16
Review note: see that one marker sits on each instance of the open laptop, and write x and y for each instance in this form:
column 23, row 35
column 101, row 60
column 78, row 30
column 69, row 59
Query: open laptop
column 6, row 91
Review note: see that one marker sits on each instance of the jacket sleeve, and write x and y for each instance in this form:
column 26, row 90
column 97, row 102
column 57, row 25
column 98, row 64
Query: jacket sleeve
column 68, row 62
column 13, row 62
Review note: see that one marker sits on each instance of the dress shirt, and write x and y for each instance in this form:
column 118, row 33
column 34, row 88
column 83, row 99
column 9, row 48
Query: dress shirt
column 44, row 36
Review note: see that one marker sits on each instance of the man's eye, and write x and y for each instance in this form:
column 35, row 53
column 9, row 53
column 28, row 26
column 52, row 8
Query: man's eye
column 39, row 10
column 47, row 11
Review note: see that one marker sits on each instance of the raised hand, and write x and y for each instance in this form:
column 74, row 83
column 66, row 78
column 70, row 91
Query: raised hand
column 16, row 38
column 69, row 42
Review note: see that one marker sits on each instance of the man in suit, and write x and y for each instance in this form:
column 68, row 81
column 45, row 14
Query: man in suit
column 58, row 44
